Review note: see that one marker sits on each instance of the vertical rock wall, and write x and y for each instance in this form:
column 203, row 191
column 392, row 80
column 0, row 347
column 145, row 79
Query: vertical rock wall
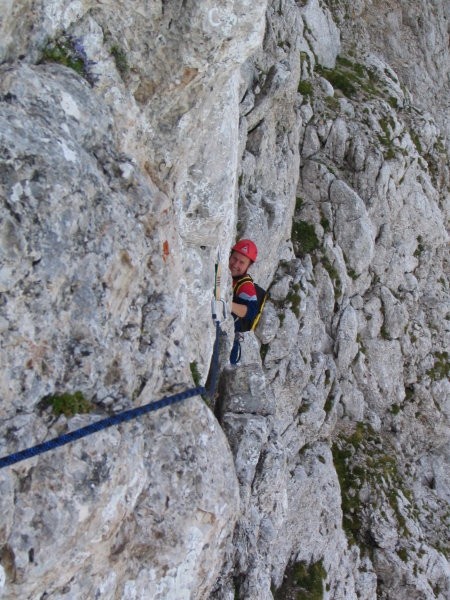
column 338, row 418
column 119, row 138
column 137, row 139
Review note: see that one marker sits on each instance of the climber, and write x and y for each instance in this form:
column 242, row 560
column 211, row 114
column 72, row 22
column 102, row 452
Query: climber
column 244, row 306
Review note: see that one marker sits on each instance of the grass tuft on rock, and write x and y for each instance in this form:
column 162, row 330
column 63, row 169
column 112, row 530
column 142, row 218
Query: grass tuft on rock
column 302, row 582
column 304, row 238
column 68, row 404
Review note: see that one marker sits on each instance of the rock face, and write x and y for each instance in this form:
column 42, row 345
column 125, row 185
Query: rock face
column 137, row 139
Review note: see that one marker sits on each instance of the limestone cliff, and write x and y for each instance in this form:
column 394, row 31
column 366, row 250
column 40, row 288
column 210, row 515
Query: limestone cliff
column 137, row 140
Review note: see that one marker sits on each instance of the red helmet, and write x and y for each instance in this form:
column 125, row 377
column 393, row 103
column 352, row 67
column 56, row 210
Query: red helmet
column 246, row 248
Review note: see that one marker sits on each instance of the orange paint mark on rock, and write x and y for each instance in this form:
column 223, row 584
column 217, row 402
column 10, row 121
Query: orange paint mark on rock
column 166, row 250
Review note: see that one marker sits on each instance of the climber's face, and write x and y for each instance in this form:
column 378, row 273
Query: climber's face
column 238, row 264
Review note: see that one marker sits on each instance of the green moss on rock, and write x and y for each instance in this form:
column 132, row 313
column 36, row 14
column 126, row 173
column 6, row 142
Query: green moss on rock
column 68, row 404
column 302, row 582
column 120, row 58
column 441, row 368
column 364, row 461
column 304, row 238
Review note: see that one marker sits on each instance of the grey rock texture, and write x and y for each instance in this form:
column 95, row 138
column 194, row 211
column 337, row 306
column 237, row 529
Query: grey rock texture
column 138, row 139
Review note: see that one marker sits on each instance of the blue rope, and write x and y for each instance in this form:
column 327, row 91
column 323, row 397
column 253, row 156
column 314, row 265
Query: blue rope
column 215, row 365
column 77, row 434
column 126, row 415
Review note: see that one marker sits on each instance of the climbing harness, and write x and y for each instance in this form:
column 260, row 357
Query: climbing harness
column 245, row 324
column 261, row 295
column 134, row 413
